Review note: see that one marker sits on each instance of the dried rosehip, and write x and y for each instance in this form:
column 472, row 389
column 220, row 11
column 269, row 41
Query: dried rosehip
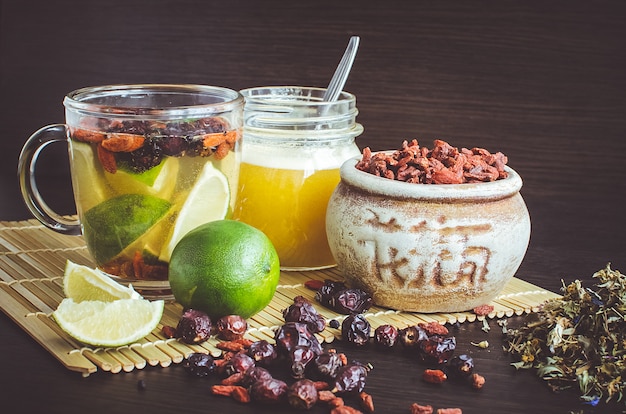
column 294, row 334
column 336, row 296
column 325, row 365
column 328, row 290
column 193, row 327
column 351, row 377
column 356, row 329
column 199, row 364
column 268, row 391
column 437, row 349
column 303, row 311
column 351, row 301
column 460, row 366
column 302, row 394
column 238, row 363
column 231, row 327
column 301, row 356
column 386, row 336
column 412, row 336
column 262, row 352
column 254, row 374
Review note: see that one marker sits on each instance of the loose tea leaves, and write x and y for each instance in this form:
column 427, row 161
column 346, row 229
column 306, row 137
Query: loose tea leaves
column 578, row 340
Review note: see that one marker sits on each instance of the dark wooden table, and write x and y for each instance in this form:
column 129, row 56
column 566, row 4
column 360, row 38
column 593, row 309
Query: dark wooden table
column 543, row 82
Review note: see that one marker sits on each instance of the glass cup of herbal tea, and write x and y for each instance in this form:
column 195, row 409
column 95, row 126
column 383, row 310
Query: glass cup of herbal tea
column 148, row 164
column 294, row 143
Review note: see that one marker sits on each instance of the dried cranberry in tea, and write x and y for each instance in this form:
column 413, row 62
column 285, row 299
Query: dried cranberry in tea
column 356, row 329
column 293, row 334
column 268, row 390
column 231, row 327
column 199, row 364
column 194, row 327
column 437, row 349
column 351, row 377
column 211, row 125
column 172, row 145
column 128, row 127
column 238, row 363
column 303, row 311
column 386, row 336
column 262, row 352
column 302, row 394
column 144, row 158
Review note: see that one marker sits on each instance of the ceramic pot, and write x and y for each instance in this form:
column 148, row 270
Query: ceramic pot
column 427, row 247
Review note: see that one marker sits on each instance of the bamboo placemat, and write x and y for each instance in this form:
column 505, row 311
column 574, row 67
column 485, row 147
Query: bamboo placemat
column 32, row 261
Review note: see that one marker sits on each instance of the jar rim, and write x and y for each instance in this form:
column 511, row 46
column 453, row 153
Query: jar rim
column 381, row 186
column 204, row 100
column 298, row 95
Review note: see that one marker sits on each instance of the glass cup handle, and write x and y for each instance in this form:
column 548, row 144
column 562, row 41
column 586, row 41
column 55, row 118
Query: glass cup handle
column 26, row 172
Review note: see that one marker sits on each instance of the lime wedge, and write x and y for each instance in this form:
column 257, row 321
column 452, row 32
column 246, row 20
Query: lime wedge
column 158, row 181
column 114, row 224
column 89, row 186
column 108, row 324
column 208, row 200
column 84, row 283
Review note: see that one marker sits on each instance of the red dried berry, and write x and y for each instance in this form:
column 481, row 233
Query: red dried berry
column 194, row 327
column 231, row 327
column 434, row 376
column 302, row 394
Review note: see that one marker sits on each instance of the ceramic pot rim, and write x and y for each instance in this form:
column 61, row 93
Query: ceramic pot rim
column 444, row 192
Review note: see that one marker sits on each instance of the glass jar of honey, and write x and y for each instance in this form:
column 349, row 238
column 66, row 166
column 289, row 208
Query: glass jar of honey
column 293, row 145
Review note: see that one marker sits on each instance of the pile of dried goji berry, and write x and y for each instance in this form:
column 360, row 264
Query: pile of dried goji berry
column 444, row 164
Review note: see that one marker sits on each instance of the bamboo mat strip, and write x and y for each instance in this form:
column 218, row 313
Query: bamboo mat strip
column 32, row 261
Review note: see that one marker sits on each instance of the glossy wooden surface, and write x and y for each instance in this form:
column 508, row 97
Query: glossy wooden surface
column 542, row 82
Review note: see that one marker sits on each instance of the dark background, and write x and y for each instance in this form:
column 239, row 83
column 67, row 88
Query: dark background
column 543, row 82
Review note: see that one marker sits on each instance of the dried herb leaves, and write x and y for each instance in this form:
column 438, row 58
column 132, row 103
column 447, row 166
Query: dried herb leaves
column 578, row 340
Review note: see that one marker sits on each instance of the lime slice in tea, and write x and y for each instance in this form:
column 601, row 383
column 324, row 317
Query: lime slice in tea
column 82, row 283
column 158, row 181
column 208, row 200
column 108, row 324
column 114, row 224
column 88, row 184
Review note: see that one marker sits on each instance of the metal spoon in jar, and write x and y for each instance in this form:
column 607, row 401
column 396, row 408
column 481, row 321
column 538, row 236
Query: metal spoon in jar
column 343, row 70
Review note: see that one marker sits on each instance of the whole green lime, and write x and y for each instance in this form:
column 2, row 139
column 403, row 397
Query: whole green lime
column 224, row 267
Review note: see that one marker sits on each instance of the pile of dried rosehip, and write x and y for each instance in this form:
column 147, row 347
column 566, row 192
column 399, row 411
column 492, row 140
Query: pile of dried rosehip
column 319, row 376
